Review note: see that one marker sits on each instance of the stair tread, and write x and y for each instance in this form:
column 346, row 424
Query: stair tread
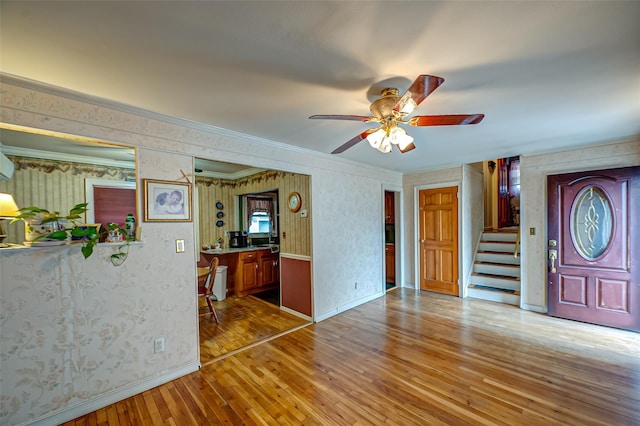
column 506, row 265
column 502, row 253
column 498, row 242
column 496, row 289
column 500, row 277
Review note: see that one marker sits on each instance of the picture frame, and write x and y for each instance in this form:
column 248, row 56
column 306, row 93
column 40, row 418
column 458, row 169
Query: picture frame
column 166, row 201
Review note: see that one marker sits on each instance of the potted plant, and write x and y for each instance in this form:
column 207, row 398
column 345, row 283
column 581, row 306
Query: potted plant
column 117, row 234
column 52, row 226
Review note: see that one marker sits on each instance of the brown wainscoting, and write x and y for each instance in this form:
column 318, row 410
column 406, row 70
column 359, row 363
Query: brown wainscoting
column 295, row 283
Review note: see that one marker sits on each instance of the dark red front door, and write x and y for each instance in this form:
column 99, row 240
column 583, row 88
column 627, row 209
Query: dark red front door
column 594, row 247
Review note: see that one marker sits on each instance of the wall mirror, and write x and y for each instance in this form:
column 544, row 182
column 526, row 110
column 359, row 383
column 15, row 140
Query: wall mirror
column 55, row 172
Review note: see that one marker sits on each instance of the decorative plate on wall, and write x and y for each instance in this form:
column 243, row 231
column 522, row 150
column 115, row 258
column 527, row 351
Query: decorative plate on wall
column 219, row 205
column 219, row 223
column 220, row 215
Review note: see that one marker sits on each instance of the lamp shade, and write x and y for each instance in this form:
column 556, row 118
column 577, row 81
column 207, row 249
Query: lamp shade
column 8, row 206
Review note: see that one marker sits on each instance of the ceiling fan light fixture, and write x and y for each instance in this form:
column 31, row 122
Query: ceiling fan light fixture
column 375, row 138
column 392, row 109
column 385, row 146
column 396, row 134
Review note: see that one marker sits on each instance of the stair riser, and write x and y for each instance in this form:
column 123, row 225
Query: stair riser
column 506, row 284
column 495, row 296
column 497, row 270
column 497, row 247
column 499, row 236
column 506, row 259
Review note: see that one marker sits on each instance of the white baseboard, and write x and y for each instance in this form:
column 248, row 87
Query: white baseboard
column 534, row 308
column 109, row 398
column 349, row 305
column 296, row 313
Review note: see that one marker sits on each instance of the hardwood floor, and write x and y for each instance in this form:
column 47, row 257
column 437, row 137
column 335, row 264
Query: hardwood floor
column 244, row 321
column 410, row 358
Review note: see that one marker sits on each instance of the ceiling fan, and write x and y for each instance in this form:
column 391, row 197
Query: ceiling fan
column 391, row 109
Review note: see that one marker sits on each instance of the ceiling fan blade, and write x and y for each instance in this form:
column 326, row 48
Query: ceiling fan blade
column 343, row 117
column 445, row 120
column 417, row 92
column 407, row 148
column 353, row 141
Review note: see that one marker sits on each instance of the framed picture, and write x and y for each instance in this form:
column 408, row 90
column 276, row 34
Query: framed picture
column 166, row 201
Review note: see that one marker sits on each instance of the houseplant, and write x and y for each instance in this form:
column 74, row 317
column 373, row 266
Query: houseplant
column 51, row 226
column 117, row 234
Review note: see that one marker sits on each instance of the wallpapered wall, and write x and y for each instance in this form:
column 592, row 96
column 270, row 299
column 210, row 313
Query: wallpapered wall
column 151, row 295
column 74, row 329
column 298, row 229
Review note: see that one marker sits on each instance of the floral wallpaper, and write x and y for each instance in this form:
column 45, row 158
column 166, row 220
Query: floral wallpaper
column 73, row 328
column 75, row 331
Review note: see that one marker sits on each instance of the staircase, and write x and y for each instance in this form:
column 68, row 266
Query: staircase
column 496, row 272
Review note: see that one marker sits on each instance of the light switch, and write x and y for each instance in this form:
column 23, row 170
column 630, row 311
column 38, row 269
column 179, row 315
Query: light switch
column 179, row 246
column 532, row 231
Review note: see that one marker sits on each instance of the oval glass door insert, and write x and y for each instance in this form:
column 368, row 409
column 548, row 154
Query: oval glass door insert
column 591, row 222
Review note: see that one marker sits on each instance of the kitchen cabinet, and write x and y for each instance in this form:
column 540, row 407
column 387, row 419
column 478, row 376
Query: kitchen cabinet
column 269, row 269
column 389, row 207
column 390, row 263
column 248, row 272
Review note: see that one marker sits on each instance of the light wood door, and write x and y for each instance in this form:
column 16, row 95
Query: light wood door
column 438, row 222
column 594, row 247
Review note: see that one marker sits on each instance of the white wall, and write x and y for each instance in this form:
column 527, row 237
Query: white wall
column 472, row 218
column 152, row 295
column 533, row 212
column 355, row 239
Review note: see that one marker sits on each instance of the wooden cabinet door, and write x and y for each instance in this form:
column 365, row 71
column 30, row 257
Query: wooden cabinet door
column 248, row 271
column 389, row 207
column 266, row 270
column 390, row 263
column 438, row 221
column 269, row 269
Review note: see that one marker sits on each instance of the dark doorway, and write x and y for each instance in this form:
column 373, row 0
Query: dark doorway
column 508, row 192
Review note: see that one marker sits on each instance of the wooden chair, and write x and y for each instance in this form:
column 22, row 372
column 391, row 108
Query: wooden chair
column 206, row 278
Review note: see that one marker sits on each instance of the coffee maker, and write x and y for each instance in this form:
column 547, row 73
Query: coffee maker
column 237, row 239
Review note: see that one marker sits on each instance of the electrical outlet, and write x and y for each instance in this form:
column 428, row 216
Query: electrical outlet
column 158, row 345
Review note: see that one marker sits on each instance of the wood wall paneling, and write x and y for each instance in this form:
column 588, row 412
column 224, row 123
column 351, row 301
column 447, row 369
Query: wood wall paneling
column 296, row 284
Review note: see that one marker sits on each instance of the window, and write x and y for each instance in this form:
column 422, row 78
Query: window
column 260, row 223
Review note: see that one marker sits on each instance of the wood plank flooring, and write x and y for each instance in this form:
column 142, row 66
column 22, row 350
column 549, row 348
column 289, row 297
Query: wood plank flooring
column 410, row 358
column 244, row 321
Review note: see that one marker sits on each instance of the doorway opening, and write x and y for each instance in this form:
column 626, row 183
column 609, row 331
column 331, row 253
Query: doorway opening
column 390, row 239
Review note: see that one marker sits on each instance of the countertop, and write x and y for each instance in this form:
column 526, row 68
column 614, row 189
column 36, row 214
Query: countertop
column 273, row 247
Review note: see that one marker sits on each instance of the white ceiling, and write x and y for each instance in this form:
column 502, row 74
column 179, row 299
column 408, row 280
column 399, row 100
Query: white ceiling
column 547, row 75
